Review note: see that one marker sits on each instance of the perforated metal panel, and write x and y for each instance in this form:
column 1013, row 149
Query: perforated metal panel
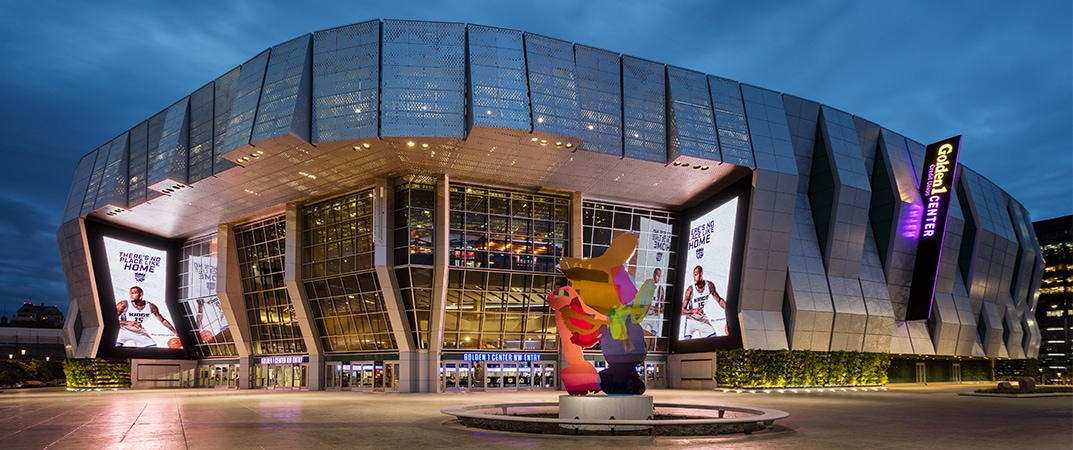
column 244, row 108
column 201, row 133
column 423, row 80
column 224, row 98
column 94, row 181
column 346, row 82
column 78, row 186
column 139, row 163
column 599, row 85
column 498, row 89
column 644, row 110
column 734, row 142
column 552, row 85
column 692, row 123
column 284, row 107
column 170, row 161
column 112, row 191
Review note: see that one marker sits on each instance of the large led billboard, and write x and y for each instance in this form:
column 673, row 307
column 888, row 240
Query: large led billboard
column 136, row 282
column 706, row 274
column 140, row 285
column 706, row 290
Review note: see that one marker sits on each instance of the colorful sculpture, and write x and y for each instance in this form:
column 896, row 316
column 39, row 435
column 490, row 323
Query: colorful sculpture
column 603, row 306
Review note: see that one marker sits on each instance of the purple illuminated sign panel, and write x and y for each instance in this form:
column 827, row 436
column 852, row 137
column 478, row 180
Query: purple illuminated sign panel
column 936, row 188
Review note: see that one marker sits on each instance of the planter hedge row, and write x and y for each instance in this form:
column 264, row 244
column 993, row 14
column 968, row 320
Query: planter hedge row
column 799, row 368
column 96, row 373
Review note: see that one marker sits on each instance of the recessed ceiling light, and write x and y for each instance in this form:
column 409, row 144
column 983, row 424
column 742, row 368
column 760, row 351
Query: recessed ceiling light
column 367, row 145
column 410, row 144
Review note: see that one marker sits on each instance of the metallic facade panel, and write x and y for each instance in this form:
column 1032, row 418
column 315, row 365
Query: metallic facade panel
column 876, row 299
column 691, row 120
column 223, row 100
column 138, row 164
column 644, row 111
column 95, row 179
column 79, row 185
column 112, row 190
column 811, row 311
column 552, row 85
column 201, row 142
column 346, row 82
column 423, row 79
column 766, row 116
column 171, row 158
column 896, row 222
column 284, row 107
column 841, row 134
column 599, row 85
column 82, row 185
column 244, row 107
column 735, row 144
column 839, row 183
column 498, row 89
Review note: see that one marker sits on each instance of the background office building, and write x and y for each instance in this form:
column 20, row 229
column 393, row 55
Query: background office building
column 383, row 206
column 1055, row 311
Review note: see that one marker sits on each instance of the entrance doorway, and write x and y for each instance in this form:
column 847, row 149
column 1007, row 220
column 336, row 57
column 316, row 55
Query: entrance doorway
column 544, row 376
column 280, row 376
column 955, row 373
column 654, row 375
column 456, row 376
column 922, row 376
column 218, row 375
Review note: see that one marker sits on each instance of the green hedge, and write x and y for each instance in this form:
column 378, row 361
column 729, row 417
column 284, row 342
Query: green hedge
column 96, row 373
column 799, row 368
column 15, row 372
column 1012, row 369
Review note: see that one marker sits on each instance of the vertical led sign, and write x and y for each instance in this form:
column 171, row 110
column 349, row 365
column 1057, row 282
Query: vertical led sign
column 936, row 188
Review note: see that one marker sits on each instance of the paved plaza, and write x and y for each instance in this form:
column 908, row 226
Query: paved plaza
column 901, row 417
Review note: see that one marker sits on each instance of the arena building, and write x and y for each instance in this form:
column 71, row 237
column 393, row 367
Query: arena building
column 382, row 206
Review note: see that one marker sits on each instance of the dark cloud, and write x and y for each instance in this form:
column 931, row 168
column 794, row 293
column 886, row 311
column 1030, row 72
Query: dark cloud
column 79, row 73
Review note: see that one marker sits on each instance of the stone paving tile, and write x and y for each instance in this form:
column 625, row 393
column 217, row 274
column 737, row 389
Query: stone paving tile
column 901, row 417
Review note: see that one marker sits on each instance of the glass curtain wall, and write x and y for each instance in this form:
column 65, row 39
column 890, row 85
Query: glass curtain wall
column 197, row 294
column 339, row 278
column 503, row 257
column 415, row 208
column 655, row 256
column 273, row 326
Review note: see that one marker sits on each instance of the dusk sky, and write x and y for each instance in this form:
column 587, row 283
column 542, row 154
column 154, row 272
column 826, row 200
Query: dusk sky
column 1000, row 73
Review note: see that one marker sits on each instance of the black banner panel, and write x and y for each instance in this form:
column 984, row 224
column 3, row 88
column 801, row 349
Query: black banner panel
column 936, row 190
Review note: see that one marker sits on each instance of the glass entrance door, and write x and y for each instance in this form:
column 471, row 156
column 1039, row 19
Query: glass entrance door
column 654, row 375
column 391, row 377
column 333, row 376
column 365, row 377
column 455, row 376
column 543, row 376
column 510, row 376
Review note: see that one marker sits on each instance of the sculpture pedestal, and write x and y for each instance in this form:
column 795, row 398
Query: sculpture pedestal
column 600, row 407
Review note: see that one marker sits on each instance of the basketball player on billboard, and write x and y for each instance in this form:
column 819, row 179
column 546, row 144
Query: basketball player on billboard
column 132, row 313
column 704, row 309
